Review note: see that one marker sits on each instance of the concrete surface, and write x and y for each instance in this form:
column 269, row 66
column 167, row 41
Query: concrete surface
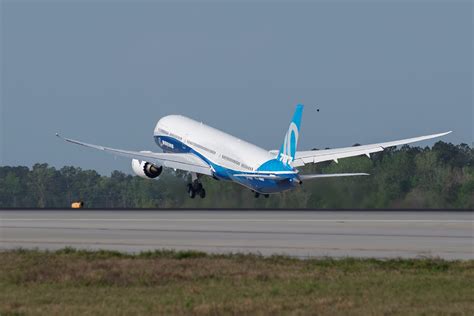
column 303, row 234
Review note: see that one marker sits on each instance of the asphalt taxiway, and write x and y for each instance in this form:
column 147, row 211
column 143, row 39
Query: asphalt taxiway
column 378, row 234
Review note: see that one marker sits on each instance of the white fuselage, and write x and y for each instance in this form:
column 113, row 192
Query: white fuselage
column 217, row 146
column 228, row 157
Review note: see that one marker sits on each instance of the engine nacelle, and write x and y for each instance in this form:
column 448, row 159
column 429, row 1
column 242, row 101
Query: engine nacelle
column 145, row 169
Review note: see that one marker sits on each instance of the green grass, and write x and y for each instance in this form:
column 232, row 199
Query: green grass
column 75, row 282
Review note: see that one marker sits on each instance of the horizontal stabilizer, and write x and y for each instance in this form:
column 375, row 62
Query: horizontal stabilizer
column 331, row 175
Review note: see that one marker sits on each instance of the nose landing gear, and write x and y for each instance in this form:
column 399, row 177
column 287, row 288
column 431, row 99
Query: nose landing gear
column 257, row 195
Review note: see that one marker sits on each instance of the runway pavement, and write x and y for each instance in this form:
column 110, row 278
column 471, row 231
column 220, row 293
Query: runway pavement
column 304, row 234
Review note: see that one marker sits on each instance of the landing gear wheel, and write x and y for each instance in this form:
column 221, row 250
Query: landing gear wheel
column 257, row 195
column 266, row 196
column 196, row 188
column 191, row 192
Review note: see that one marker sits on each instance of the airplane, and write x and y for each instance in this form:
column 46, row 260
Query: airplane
column 202, row 150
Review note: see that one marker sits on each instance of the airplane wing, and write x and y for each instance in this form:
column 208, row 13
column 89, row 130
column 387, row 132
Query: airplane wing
column 186, row 162
column 315, row 156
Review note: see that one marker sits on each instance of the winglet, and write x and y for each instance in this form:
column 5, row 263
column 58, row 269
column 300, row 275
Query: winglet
column 61, row 137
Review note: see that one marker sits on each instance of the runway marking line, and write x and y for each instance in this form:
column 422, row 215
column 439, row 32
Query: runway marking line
column 303, row 233
column 236, row 220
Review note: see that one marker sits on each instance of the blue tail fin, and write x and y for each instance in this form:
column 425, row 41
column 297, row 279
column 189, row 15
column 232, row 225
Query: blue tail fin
column 288, row 149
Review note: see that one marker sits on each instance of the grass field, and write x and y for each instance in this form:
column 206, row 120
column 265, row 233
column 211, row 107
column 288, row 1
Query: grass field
column 165, row 282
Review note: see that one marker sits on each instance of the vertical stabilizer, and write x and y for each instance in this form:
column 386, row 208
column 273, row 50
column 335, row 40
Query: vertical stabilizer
column 288, row 149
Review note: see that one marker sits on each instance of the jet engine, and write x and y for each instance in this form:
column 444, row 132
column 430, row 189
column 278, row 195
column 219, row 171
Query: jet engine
column 145, row 169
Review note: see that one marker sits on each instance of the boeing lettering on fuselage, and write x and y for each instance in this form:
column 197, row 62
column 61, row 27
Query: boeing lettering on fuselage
column 166, row 144
column 205, row 151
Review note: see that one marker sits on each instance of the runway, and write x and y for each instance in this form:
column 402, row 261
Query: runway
column 301, row 234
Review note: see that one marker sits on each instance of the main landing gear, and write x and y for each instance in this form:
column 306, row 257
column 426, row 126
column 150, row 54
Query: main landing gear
column 196, row 188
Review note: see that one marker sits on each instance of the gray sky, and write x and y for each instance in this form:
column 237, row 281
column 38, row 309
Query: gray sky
column 106, row 71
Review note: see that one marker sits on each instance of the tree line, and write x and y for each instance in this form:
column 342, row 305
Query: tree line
column 441, row 176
